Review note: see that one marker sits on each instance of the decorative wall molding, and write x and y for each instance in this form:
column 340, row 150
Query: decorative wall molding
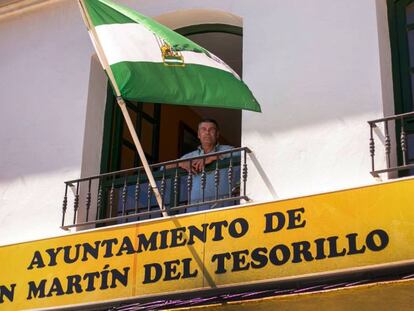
column 12, row 7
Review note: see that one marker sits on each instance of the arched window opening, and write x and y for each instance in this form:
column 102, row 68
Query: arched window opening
column 169, row 131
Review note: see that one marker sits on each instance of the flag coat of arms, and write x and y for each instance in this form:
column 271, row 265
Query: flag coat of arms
column 152, row 63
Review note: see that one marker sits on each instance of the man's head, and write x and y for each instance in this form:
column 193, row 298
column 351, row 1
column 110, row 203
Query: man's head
column 208, row 133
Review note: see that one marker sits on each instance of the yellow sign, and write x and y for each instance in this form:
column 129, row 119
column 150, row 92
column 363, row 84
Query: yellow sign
column 324, row 233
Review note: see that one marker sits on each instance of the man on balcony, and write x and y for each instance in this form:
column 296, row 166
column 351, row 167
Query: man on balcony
column 208, row 133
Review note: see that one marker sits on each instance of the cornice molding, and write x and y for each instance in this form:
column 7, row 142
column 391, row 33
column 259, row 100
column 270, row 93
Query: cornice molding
column 11, row 7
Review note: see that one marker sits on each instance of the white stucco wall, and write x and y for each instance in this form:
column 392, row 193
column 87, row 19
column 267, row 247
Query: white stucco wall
column 44, row 60
column 315, row 66
column 321, row 60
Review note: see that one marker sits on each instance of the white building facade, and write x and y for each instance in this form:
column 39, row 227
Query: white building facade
column 320, row 70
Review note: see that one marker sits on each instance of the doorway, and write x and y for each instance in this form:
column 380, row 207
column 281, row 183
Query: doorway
column 167, row 131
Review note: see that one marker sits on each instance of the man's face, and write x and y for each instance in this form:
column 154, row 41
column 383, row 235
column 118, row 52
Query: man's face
column 208, row 133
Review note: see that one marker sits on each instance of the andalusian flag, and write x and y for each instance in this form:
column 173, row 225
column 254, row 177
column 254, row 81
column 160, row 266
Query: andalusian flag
column 152, row 63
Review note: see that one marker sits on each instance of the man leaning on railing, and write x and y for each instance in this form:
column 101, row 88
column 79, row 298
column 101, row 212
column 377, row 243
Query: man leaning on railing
column 208, row 133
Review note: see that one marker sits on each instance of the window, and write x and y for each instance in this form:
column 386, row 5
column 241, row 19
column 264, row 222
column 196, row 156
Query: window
column 119, row 151
column 401, row 22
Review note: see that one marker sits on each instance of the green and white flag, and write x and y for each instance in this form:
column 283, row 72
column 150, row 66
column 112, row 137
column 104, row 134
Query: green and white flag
column 152, row 63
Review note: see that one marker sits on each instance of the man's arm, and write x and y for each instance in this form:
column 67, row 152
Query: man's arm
column 185, row 164
column 198, row 165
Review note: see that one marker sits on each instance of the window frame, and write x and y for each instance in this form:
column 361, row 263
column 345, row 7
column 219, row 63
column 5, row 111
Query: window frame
column 402, row 70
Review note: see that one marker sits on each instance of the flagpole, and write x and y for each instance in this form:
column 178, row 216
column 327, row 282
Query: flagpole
column 122, row 105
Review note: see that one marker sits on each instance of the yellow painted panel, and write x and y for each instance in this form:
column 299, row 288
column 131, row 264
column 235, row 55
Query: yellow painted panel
column 325, row 233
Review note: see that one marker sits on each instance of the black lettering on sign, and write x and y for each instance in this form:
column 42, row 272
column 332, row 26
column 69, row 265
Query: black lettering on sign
column 145, row 244
column 164, row 236
column 220, row 258
column 88, row 249
column 169, row 270
column 196, row 232
column 276, row 221
column 239, row 260
column 104, row 278
column 218, row 232
column 108, row 247
column 37, row 261
column 90, row 279
column 238, row 228
column 53, row 252
column 126, row 247
column 333, row 247
column 67, row 254
column 118, row 277
column 353, row 248
column 149, row 276
column 187, row 269
column 284, row 252
column 259, row 257
column 177, row 237
column 320, row 248
column 377, row 240
column 301, row 249
column 75, row 284
column 56, row 289
column 295, row 217
column 7, row 292
column 37, row 290
column 271, row 218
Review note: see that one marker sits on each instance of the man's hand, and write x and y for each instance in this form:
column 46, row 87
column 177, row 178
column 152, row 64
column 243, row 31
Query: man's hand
column 197, row 165
column 186, row 166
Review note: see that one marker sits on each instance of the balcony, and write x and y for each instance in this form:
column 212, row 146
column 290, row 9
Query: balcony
column 125, row 196
column 399, row 153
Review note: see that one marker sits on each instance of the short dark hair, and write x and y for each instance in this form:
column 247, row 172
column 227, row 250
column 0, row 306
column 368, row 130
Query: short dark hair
column 209, row 120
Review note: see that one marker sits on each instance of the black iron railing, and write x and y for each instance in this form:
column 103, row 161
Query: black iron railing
column 125, row 196
column 403, row 125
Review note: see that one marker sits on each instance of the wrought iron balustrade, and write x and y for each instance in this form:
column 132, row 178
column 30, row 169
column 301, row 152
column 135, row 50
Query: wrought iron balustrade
column 404, row 144
column 124, row 196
